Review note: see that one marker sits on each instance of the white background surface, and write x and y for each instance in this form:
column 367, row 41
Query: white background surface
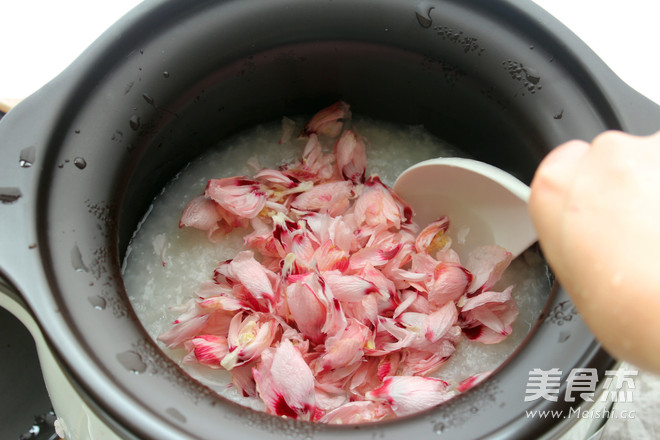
column 40, row 38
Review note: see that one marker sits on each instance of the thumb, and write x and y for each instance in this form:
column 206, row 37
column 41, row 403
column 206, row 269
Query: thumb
column 550, row 191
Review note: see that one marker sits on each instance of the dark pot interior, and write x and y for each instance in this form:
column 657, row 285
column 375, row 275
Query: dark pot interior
column 173, row 78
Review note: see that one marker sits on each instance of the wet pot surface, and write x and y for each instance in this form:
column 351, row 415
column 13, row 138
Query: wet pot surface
column 174, row 78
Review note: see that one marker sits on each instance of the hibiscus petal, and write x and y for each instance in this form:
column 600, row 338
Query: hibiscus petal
column 486, row 298
column 183, row 331
column 250, row 273
column 275, row 178
column 243, row 380
column 293, row 377
column 358, row 412
column 331, row 197
column 349, row 288
column 208, row 350
column 374, row 256
column 376, row 205
column 472, row 381
column 487, row 263
column 351, row 156
column 238, row 195
column 346, row 347
column 433, row 236
column 329, row 121
column 424, row 362
column 489, row 316
column 449, row 283
column 200, row 213
column 328, row 257
column 247, row 339
column 439, row 322
column 410, row 394
column 307, row 309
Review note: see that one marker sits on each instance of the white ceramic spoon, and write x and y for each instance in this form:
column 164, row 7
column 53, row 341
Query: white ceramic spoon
column 485, row 204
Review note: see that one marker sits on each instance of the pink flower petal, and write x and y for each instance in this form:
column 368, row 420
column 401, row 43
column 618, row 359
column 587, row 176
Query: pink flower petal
column 329, row 121
column 433, row 236
column 287, row 382
column 330, row 197
column 250, row 273
column 449, row 283
column 488, row 317
column 376, row 205
column 358, row 412
column 351, row 156
column 275, row 178
column 243, row 380
column 348, row 288
column 411, row 394
column 183, row 331
column 200, row 213
column 472, row 381
column 438, row 323
column 208, row 350
column 345, row 348
column 263, row 240
column 308, row 307
column 487, row 264
column 374, row 256
column 486, row 298
column 385, row 287
column 328, row 257
column 423, row 362
column 238, row 195
column 247, row 339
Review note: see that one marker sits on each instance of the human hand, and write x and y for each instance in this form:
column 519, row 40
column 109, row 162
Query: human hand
column 596, row 209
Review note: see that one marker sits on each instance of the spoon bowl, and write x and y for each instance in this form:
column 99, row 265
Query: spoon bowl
column 485, row 204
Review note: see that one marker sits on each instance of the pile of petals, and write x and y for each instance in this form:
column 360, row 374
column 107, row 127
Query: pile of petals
column 338, row 309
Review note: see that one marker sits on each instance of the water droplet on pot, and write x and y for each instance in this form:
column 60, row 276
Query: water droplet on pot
column 423, row 14
column 134, row 122
column 175, row 414
column 27, row 156
column 439, row 428
column 80, row 162
column 532, row 75
column 97, row 302
column 9, row 194
column 166, row 74
column 132, row 361
column 148, row 98
column 564, row 336
column 76, row 131
column 32, row 246
column 559, row 115
column 77, row 260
